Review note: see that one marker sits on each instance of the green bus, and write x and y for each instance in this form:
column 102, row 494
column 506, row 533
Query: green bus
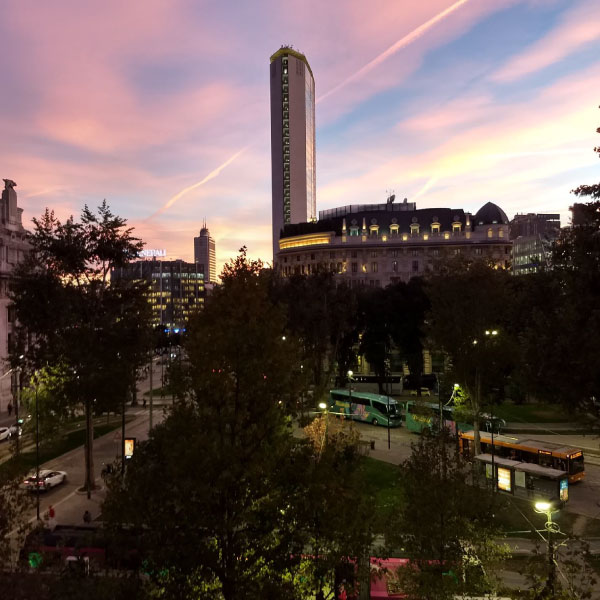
column 426, row 415
column 365, row 407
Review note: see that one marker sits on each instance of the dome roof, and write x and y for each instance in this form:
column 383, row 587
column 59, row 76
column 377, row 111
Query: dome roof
column 490, row 213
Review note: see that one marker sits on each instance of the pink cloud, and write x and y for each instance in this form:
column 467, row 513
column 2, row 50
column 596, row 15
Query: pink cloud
column 579, row 28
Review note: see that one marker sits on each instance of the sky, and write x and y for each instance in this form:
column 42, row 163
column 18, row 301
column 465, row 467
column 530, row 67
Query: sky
column 161, row 107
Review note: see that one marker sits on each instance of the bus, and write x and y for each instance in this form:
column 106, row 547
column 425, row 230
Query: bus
column 546, row 454
column 365, row 407
column 421, row 415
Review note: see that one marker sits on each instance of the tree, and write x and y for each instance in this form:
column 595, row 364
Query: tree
column 445, row 526
column 374, row 318
column 409, row 304
column 70, row 315
column 335, row 510
column 466, row 302
column 321, row 313
column 213, row 486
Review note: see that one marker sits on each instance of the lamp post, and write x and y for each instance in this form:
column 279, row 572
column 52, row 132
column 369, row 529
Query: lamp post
column 551, row 528
column 323, row 407
column 491, row 333
column 387, row 368
column 37, row 450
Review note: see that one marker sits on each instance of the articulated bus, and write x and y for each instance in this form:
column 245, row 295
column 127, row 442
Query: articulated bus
column 365, row 407
column 546, row 454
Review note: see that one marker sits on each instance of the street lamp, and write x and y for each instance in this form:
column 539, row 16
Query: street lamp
column 37, row 448
column 551, row 527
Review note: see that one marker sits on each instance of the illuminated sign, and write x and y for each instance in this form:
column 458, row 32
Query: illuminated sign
column 504, row 482
column 128, row 447
column 152, row 253
column 564, row 490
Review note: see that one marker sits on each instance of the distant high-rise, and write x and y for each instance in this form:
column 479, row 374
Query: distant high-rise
column 204, row 255
column 293, row 170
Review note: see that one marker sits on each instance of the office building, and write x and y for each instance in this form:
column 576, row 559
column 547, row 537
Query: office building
column 176, row 289
column 292, row 141
column 13, row 249
column 205, row 255
column 533, row 236
column 381, row 244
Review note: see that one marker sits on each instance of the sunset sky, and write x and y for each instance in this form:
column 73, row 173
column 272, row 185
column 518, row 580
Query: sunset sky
column 162, row 107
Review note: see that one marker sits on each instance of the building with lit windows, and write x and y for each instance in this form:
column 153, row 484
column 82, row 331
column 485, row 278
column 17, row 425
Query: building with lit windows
column 176, row 289
column 380, row 244
column 533, row 235
column 205, row 255
column 13, row 249
column 293, row 167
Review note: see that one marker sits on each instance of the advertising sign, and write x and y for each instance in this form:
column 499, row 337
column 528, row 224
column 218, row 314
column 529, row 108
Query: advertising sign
column 128, row 447
column 564, row 490
column 504, row 481
column 152, row 252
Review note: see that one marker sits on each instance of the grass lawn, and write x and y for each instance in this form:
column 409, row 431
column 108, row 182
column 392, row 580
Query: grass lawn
column 532, row 413
column 157, row 392
column 383, row 483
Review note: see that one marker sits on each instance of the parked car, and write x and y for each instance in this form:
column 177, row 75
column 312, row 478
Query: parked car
column 48, row 479
column 429, row 381
column 424, row 392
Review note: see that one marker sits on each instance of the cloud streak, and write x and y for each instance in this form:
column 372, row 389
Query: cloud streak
column 196, row 185
column 408, row 39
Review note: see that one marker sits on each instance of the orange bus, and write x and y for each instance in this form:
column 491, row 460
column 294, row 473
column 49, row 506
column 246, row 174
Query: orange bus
column 545, row 454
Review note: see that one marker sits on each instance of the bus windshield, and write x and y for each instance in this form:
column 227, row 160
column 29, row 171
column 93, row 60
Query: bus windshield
column 576, row 463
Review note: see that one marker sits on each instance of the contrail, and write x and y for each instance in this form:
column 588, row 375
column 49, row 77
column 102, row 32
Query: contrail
column 184, row 191
column 402, row 43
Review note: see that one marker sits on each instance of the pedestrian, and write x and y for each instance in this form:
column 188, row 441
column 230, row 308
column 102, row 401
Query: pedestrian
column 87, row 517
column 9, row 409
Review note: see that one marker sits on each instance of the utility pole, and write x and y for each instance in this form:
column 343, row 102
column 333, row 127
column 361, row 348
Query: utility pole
column 151, row 389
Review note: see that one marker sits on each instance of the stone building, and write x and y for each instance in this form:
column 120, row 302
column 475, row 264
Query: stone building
column 379, row 244
column 13, row 248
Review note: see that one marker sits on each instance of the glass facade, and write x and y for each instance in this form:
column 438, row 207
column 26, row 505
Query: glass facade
column 176, row 289
column 311, row 186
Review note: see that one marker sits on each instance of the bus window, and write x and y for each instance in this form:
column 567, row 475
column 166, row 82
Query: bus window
column 381, row 407
column 545, row 458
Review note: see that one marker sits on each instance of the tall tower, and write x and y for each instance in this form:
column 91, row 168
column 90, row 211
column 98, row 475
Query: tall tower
column 204, row 254
column 293, row 172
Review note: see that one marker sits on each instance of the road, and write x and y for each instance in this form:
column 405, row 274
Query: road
column 68, row 503
column 584, row 496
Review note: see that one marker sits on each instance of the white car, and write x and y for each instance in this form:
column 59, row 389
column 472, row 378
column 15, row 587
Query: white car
column 48, row 479
column 5, row 433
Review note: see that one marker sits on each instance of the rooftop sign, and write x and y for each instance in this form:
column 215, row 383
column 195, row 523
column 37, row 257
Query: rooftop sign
column 152, row 252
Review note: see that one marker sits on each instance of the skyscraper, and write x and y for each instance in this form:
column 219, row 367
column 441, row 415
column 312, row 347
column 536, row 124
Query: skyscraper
column 204, row 255
column 293, row 172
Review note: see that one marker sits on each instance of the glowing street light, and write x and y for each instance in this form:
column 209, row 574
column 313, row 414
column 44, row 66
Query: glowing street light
column 547, row 508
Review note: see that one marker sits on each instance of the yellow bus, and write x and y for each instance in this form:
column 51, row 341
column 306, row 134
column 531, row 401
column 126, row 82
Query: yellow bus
column 545, row 454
